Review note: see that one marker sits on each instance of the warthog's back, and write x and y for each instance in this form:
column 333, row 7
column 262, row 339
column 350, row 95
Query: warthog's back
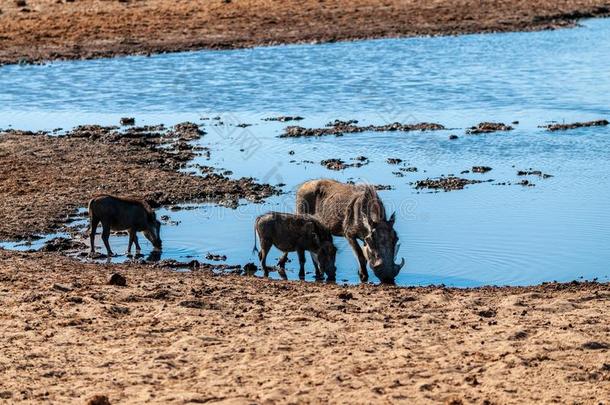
column 329, row 201
column 121, row 213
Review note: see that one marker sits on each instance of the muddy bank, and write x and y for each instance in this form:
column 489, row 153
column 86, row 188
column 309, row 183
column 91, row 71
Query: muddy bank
column 39, row 30
column 565, row 127
column 171, row 337
column 339, row 128
column 44, row 178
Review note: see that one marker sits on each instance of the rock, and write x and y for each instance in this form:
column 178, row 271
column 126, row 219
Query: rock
column 453, row 137
column 118, row 310
column 338, row 164
column 62, row 287
column 345, row 295
column 75, row 300
column 128, row 121
column 118, row 280
column 218, row 258
column 595, row 345
column 480, row 169
column 394, row 161
column 250, row 268
column 488, row 127
column 519, row 335
column 98, row 400
column 489, row 313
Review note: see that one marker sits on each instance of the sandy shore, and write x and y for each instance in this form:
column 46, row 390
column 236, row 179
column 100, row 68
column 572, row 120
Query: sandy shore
column 170, row 337
column 39, row 30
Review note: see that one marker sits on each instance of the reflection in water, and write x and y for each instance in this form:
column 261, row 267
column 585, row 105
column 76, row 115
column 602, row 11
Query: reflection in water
column 487, row 233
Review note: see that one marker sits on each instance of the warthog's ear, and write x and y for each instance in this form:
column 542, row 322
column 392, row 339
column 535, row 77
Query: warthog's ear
column 392, row 219
column 367, row 224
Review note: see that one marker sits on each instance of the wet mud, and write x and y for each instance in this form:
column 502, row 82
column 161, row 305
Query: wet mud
column 45, row 178
column 339, row 128
column 488, row 127
column 574, row 125
column 449, row 183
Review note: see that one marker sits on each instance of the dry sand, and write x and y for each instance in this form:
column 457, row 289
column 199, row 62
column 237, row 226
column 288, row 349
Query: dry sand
column 55, row 29
column 170, row 337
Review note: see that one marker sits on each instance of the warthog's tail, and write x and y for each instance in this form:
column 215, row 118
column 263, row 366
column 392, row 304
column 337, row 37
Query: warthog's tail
column 255, row 249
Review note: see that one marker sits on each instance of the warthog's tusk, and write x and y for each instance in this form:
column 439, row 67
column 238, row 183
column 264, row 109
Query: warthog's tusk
column 400, row 266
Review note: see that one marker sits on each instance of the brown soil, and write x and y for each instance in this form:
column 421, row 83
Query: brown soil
column 50, row 29
column 44, row 179
column 169, row 337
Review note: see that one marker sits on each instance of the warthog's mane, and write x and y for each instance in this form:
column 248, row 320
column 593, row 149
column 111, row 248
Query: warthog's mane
column 132, row 200
column 370, row 202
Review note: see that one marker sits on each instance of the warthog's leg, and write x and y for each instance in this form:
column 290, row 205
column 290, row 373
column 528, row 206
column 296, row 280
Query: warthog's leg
column 94, row 223
column 316, row 265
column 301, row 254
column 131, row 235
column 283, row 260
column 262, row 255
column 135, row 240
column 105, row 236
column 364, row 275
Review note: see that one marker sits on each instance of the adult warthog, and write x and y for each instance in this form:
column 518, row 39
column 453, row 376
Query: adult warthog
column 123, row 214
column 357, row 213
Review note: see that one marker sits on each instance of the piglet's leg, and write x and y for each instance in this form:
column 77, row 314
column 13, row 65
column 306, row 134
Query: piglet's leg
column 316, row 265
column 135, row 240
column 105, row 237
column 301, row 254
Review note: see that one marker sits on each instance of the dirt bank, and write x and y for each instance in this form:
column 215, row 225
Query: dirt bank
column 170, row 337
column 44, row 178
column 38, row 30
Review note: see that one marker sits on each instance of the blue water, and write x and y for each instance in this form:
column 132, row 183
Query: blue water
column 485, row 234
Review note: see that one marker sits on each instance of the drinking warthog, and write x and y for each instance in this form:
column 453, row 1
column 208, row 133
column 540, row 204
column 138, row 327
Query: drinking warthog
column 123, row 214
column 293, row 232
column 357, row 213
